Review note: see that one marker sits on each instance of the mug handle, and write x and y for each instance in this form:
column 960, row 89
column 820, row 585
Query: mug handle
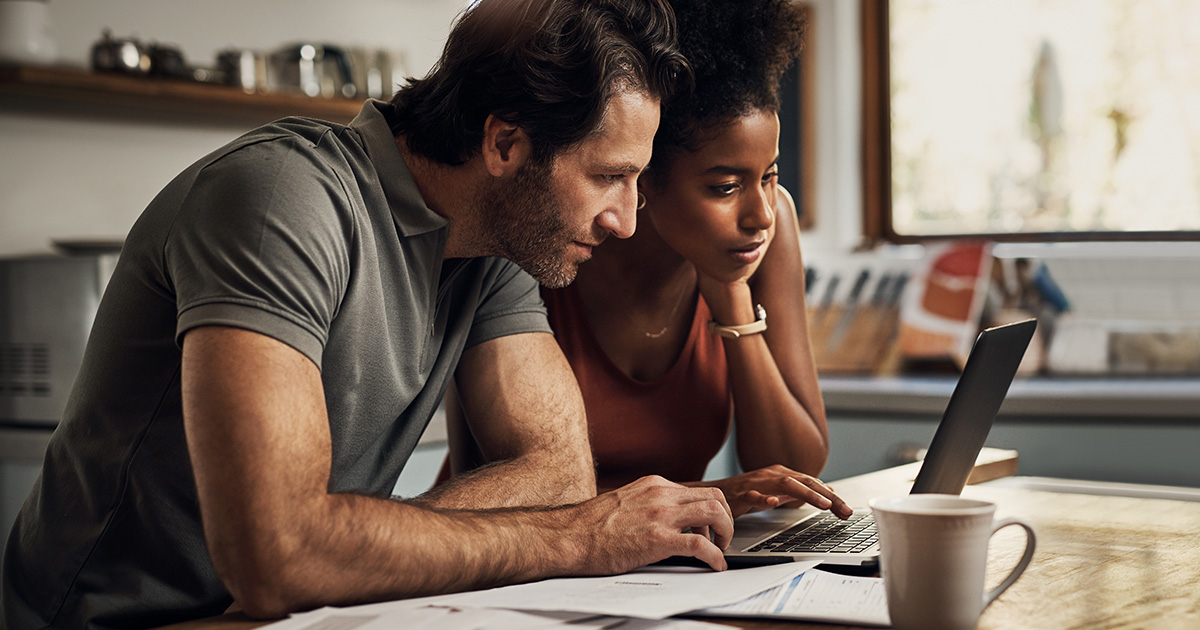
column 1030, row 543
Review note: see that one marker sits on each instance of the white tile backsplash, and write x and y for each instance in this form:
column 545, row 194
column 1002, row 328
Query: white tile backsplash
column 1147, row 288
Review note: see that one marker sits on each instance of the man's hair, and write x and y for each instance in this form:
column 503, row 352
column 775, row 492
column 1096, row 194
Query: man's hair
column 738, row 50
column 548, row 66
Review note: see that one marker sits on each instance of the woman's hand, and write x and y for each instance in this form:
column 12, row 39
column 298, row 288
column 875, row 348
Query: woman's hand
column 774, row 486
column 729, row 296
column 720, row 290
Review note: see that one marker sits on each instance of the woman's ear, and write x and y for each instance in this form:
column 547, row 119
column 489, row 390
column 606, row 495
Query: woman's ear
column 506, row 147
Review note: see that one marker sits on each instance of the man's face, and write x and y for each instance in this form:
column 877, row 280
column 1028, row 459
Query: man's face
column 548, row 217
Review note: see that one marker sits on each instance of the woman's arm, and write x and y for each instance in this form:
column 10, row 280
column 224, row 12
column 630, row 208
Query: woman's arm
column 778, row 409
column 779, row 414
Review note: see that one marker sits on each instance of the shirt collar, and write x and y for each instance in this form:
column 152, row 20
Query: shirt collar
column 408, row 208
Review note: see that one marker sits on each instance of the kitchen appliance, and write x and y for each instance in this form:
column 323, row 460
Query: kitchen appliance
column 244, row 68
column 377, row 71
column 167, row 61
column 122, row 55
column 314, row 70
column 128, row 55
column 47, row 305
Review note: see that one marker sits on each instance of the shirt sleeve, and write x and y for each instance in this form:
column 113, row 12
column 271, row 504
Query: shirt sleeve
column 261, row 243
column 510, row 304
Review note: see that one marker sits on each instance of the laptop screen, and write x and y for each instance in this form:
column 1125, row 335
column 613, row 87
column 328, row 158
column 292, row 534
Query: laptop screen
column 973, row 406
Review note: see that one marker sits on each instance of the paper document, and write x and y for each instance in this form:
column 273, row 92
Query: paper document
column 372, row 617
column 376, row 617
column 650, row 593
column 816, row 596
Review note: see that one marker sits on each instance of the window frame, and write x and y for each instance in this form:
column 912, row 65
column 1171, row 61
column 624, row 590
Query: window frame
column 877, row 154
column 797, row 126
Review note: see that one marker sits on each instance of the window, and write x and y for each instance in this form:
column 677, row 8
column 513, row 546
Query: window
column 1032, row 119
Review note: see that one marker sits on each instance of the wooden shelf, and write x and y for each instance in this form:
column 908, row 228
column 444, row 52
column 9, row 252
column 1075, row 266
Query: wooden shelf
column 83, row 92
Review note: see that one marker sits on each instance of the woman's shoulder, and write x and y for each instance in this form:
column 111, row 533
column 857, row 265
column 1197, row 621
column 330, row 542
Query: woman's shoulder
column 785, row 206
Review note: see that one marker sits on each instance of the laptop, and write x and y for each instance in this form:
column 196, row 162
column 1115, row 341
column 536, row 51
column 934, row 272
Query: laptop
column 808, row 534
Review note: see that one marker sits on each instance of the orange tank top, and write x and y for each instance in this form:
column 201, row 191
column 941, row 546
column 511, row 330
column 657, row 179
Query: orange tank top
column 671, row 426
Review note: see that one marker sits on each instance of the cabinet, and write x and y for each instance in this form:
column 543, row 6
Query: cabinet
column 1104, row 429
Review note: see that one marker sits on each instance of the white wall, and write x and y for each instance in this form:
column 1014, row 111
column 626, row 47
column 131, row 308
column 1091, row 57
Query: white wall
column 834, row 39
column 64, row 176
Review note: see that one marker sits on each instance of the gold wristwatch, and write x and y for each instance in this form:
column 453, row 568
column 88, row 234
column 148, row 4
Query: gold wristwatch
column 733, row 332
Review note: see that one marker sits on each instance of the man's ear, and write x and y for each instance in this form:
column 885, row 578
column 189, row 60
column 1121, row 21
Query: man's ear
column 505, row 146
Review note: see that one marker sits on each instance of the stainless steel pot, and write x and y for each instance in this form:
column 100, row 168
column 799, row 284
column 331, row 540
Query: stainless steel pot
column 313, row 69
column 246, row 69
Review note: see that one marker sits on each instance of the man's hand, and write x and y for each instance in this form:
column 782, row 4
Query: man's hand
column 774, row 486
column 644, row 522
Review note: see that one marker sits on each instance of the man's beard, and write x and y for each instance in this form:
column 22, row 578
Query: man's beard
column 522, row 218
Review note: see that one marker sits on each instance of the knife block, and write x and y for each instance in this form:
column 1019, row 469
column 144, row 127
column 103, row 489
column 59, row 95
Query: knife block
column 861, row 341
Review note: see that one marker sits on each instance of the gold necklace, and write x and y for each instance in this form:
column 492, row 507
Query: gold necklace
column 671, row 317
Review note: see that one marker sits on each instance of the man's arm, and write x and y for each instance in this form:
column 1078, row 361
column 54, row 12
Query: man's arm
column 526, row 416
column 260, row 447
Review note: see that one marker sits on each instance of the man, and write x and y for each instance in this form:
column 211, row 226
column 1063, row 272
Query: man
column 287, row 314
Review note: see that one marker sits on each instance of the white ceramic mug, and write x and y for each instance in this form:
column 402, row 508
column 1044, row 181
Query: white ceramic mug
column 25, row 32
column 933, row 558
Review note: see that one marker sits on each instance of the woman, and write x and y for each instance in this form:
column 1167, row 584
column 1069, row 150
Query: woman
column 717, row 242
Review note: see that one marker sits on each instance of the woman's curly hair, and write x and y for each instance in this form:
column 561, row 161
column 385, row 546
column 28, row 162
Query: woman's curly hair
column 738, row 50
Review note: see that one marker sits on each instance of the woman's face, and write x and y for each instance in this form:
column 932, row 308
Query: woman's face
column 716, row 206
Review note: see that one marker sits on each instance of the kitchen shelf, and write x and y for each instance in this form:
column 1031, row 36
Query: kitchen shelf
column 81, row 91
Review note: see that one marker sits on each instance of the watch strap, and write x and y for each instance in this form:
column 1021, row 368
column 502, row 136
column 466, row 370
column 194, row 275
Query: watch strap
column 733, row 332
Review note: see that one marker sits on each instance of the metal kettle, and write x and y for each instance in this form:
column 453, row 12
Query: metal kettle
column 128, row 55
column 131, row 56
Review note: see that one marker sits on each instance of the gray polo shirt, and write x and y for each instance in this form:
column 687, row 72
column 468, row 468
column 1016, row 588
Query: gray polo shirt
column 308, row 232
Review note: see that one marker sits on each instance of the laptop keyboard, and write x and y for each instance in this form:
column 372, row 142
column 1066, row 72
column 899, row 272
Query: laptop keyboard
column 824, row 533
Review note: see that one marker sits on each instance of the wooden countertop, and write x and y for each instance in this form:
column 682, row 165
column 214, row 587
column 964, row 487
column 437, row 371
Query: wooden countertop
column 1101, row 561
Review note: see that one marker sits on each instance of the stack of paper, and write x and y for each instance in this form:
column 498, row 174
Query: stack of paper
column 451, row 618
column 639, row 600
column 816, row 596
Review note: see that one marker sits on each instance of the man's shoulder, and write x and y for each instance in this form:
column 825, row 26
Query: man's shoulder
column 296, row 134
column 297, row 127
column 295, row 154
column 502, row 285
column 495, row 269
